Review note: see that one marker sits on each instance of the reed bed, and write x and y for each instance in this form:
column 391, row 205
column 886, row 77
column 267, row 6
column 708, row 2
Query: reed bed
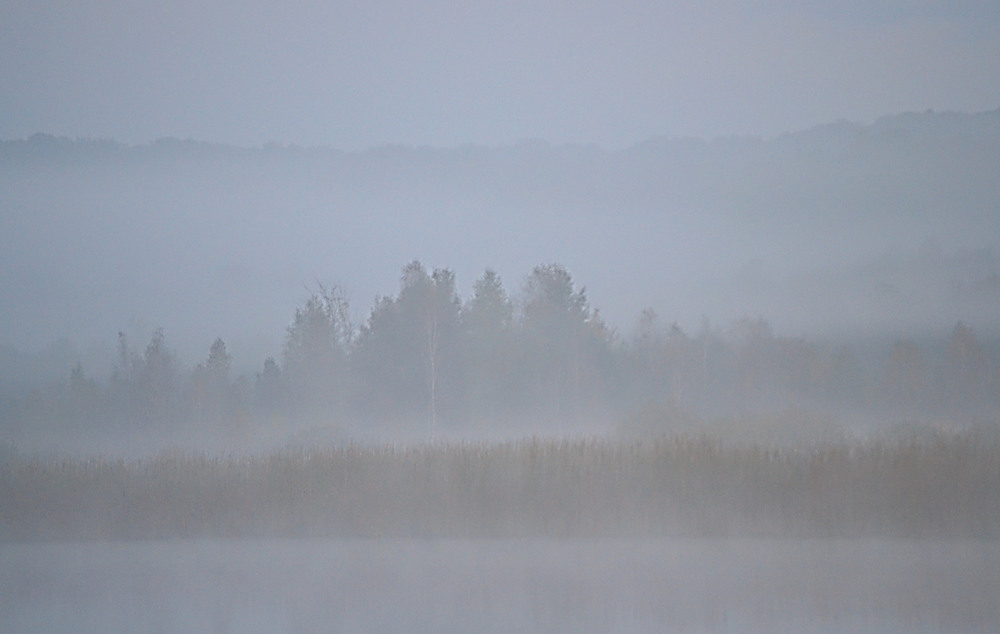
column 944, row 487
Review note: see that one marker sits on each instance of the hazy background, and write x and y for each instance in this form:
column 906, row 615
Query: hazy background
column 467, row 130
column 840, row 231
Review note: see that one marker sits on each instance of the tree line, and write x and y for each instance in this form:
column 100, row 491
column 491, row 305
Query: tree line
column 427, row 359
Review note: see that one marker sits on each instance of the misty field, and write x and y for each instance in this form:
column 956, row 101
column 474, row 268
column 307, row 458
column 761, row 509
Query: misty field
column 943, row 487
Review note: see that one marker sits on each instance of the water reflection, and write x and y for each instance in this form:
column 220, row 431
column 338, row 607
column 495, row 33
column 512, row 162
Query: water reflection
column 501, row 586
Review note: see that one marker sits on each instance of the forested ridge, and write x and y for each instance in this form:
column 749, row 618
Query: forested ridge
column 842, row 273
column 426, row 361
column 817, row 230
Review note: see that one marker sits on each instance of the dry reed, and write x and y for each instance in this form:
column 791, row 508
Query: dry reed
column 944, row 487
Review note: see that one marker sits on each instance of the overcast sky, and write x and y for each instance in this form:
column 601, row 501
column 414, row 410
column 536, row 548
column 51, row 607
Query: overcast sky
column 361, row 74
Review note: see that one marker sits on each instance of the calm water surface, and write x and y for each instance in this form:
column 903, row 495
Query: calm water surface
column 501, row 586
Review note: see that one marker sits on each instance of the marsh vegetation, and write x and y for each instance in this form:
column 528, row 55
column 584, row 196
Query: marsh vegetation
column 942, row 487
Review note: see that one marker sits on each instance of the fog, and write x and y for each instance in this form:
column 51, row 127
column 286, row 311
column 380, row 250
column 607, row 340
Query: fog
column 844, row 228
column 462, row 317
column 780, row 255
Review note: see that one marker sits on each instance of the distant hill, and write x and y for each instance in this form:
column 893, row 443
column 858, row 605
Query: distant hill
column 212, row 240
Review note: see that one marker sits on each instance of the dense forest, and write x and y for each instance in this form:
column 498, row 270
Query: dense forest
column 428, row 363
